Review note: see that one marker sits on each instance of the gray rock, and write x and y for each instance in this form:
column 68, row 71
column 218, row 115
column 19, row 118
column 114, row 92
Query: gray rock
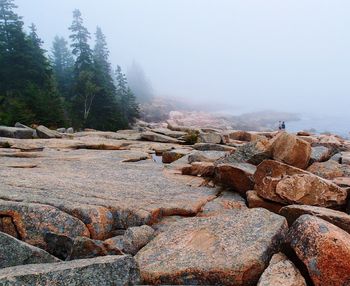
column 133, row 240
column 212, row 147
column 16, row 132
column 212, row 138
column 61, row 130
column 70, row 130
column 206, row 156
column 102, row 271
column 14, row 252
column 253, row 153
column 45, row 133
column 319, row 154
column 155, row 137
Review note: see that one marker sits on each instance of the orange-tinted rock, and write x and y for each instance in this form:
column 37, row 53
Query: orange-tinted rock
column 285, row 184
column 241, row 135
column 202, row 169
column 230, row 249
column 323, row 248
column 330, row 141
column 238, row 176
column 281, row 272
column 338, row 218
column 255, row 201
column 225, row 202
column 173, row 155
column 7, row 226
column 329, row 169
column 291, row 150
column 32, row 221
column 99, row 190
column 342, row 182
column 84, row 247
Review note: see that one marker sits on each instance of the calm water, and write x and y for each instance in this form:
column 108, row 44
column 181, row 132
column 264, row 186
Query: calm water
column 337, row 125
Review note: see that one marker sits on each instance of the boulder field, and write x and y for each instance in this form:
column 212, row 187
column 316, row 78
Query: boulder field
column 173, row 205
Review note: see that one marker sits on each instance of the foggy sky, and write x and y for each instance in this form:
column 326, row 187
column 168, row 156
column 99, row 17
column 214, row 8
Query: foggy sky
column 290, row 55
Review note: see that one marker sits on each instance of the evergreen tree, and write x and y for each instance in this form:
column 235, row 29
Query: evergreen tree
column 26, row 77
column 84, row 86
column 129, row 106
column 105, row 114
column 63, row 65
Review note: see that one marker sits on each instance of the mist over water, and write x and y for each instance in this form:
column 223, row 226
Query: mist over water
column 225, row 56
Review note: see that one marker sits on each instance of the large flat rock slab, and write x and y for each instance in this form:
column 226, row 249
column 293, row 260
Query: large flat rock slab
column 107, row 271
column 99, row 188
column 228, row 249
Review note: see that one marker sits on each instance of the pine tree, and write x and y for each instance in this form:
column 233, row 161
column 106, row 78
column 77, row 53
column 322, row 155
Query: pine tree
column 129, row 106
column 105, row 114
column 26, row 86
column 63, row 65
column 84, row 86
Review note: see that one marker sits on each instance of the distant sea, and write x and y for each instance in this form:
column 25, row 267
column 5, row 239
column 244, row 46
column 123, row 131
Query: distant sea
column 337, row 125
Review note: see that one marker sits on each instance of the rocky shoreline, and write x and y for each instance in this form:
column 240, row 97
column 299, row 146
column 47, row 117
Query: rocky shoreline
column 225, row 207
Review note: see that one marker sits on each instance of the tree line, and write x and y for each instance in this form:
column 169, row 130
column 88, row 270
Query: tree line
column 74, row 86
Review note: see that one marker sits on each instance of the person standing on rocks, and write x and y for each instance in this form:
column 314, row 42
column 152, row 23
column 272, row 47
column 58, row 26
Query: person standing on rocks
column 283, row 126
column 279, row 125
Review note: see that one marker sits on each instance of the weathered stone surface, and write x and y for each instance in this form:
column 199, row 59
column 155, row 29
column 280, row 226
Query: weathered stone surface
column 329, row 169
column 239, row 176
column 230, row 249
column 202, row 169
column 338, row 218
column 291, row 150
column 70, row 130
column 285, row 184
column 61, row 130
column 156, row 137
column 255, row 201
column 320, row 154
column 345, row 158
column 120, row 135
column 84, row 247
column 133, row 239
column 206, row 156
column 281, row 271
column 211, row 138
column 107, row 271
column 14, row 252
column 98, row 189
column 253, row 153
column 58, row 245
column 330, row 141
column 170, row 133
column 173, row 155
column 241, row 135
column 32, row 221
column 213, row 147
column 46, row 133
column 323, row 248
column 7, row 226
column 342, row 182
column 16, row 132
column 225, row 202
